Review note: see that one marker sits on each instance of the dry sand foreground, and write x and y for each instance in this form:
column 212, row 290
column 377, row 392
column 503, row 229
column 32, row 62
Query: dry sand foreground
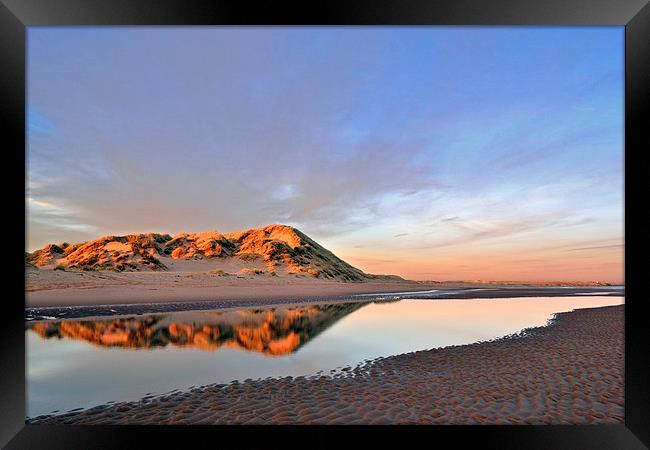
column 57, row 288
column 48, row 288
column 570, row 372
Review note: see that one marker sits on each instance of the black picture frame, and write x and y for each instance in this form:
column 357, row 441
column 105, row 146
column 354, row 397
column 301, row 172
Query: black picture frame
column 634, row 15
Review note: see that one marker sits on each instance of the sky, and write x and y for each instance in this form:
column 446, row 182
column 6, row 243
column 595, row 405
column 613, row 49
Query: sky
column 434, row 153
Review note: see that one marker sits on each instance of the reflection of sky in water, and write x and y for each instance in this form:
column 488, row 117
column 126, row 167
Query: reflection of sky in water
column 65, row 373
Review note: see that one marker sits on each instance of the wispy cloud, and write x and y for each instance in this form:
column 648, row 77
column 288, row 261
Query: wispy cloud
column 471, row 232
column 57, row 222
column 38, row 124
column 597, row 247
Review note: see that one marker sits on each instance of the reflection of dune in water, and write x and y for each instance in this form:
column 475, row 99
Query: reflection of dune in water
column 275, row 331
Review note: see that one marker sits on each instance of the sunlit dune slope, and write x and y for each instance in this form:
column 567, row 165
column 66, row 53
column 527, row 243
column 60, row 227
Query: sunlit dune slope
column 273, row 250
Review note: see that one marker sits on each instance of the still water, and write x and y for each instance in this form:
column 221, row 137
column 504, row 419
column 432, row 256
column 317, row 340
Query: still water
column 82, row 363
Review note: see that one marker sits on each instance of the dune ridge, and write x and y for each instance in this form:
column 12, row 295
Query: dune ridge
column 275, row 250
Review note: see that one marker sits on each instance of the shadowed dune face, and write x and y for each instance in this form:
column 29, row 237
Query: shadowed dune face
column 280, row 249
column 273, row 332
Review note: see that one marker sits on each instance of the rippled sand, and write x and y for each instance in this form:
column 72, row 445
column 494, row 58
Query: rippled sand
column 570, row 372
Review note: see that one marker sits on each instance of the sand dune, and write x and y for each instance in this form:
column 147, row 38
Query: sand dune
column 276, row 261
column 277, row 250
column 570, row 372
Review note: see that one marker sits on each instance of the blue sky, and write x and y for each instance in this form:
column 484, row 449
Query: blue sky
column 431, row 152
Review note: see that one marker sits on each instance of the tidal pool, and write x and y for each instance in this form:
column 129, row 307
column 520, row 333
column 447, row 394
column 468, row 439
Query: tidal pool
column 82, row 363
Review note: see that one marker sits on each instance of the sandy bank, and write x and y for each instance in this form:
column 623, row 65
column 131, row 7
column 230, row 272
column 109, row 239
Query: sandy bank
column 56, row 288
column 47, row 288
column 570, row 372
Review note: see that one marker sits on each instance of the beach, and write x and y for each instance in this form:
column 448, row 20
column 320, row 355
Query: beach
column 53, row 288
column 46, row 288
column 568, row 372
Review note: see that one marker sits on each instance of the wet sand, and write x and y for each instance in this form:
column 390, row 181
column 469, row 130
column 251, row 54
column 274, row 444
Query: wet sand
column 174, row 291
column 569, row 372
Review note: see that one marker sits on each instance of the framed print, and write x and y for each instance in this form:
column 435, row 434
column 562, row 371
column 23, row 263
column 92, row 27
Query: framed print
column 378, row 218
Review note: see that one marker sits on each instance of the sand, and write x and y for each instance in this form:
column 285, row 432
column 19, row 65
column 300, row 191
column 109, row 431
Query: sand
column 50, row 288
column 570, row 372
column 57, row 288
